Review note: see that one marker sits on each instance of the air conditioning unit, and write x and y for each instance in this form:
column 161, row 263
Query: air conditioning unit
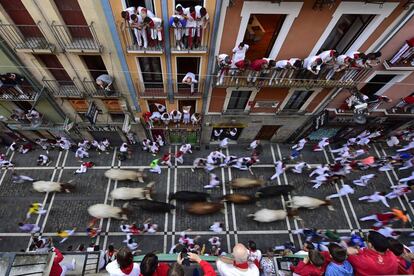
column 266, row 104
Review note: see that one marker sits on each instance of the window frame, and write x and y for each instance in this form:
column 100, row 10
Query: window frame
column 140, row 75
column 238, row 99
column 304, row 102
column 401, row 75
column 197, row 74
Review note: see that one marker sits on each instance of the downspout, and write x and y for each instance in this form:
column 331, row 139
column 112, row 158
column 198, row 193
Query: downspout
column 167, row 50
column 106, row 6
column 211, row 56
column 395, row 30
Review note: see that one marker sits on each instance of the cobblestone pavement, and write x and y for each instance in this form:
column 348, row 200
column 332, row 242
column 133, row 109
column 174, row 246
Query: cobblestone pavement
column 65, row 211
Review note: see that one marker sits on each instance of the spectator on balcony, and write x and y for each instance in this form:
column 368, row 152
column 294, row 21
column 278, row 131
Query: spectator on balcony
column 313, row 64
column 13, row 80
column 59, row 268
column 240, row 67
column 281, row 65
column 239, row 265
column 105, row 81
column 151, row 267
column 165, row 117
column 176, row 116
column 160, row 107
column 239, row 53
column 186, row 114
column 405, row 102
column 328, row 57
column 124, row 264
column 202, row 18
column 33, row 116
column 372, row 59
column 258, row 68
column 144, row 12
column 126, row 14
column 178, row 270
column 155, row 26
column 195, row 118
column 190, row 79
column 18, row 115
column 224, row 63
column 178, row 23
column 140, row 32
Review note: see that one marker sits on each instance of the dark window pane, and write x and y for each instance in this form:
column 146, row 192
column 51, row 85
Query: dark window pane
column 346, row 31
column 375, row 84
column 238, row 100
column 297, row 99
column 151, row 71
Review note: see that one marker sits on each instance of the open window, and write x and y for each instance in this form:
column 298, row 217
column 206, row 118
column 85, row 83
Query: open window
column 346, row 31
column 151, row 72
column 376, row 84
column 184, row 66
column 189, row 3
column 95, row 65
column 238, row 100
column 298, row 99
column 261, row 33
column 149, row 4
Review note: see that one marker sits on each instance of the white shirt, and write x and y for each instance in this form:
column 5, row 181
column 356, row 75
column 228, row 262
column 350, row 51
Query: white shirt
column 326, row 56
column 239, row 54
column 230, row 270
column 123, row 148
column 114, row 270
column 191, row 76
column 150, row 14
column 281, row 64
column 310, row 62
column 346, row 189
column 198, row 15
column 340, row 60
column 130, row 10
column 253, row 144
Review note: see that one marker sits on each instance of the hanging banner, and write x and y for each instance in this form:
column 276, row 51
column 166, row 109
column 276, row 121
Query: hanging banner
column 92, row 113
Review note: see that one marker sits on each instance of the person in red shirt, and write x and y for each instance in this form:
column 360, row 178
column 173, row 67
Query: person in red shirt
column 59, row 269
column 406, row 102
column 374, row 260
column 258, row 66
column 178, row 270
column 405, row 261
column 313, row 265
column 150, row 266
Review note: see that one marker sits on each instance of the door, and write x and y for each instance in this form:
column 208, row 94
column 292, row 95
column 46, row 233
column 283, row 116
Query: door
column 20, row 16
column 72, row 15
column 95, row 65
column 185, row 65
column 54, row 66
column 191, row 103
column 266, row 132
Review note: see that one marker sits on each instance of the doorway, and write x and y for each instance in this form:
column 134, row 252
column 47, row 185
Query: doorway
column 191, row 103
column 72, row 15
column 95, row 65
column 185, row 65
column 266, row 132
column 54, row 66
column 261, row 33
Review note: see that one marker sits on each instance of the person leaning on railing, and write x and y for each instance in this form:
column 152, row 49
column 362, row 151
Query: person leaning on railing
column 177, row 268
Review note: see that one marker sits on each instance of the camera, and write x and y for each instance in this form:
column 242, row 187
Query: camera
column 184, row 257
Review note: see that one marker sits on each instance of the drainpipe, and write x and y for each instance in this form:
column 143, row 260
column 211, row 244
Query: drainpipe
column 165, row 19
column 396, row 29
column 211, row 57
column 106, row 6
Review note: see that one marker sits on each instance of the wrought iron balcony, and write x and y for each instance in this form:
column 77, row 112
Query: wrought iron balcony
column 129, row 35
column 18, row 93
column 77, row 38
column 183, row 90
column 151, row 90
column 93, row 90
column 189, row 40
column 63, row 89
column 326, row 78
column 42, row 124
column 26, row 38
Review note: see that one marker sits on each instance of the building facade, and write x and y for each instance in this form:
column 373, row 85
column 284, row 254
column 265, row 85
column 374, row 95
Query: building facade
column 300, row 104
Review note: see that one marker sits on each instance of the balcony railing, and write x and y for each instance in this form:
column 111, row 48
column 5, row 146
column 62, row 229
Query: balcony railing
column 129, row 34
column 77, row 38
column 189, row 40
column 17, row 93
column 63, row 89
column 327, row 78
column 93, row 90
column 183, row 90
column 25, row 38
column 151, row 90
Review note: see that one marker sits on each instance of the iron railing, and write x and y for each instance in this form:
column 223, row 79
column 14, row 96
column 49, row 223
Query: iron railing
column 77, row 38
column 190, row 39
column 131, row 37
column 65, row 89
column 183, row 90
column 151, row 90
column 327, row 78
column 93, row 90
column 25, row 37
column 17, row 93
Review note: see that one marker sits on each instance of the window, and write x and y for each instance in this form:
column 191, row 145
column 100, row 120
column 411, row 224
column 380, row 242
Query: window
column 151, row 104
column 185, row 65
column 238, row 100
column 297, row 100
column 346, row 31
column 189, row 3
column 376, row 84
column 151, row 72
column 118, row 117
column 141, row 3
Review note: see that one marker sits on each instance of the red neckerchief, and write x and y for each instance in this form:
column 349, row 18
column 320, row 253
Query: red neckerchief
column 128, row 269
column 244, row 265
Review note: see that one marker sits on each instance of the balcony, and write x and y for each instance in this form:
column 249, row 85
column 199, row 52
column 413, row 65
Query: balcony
column 183, row 90
column 63, row 89
column 18, row 93
column 77, row 38
column 196, row 45
column 151, row 90
column 95, row 91
column 132, row 45
column 42, row 124
column 293, row 78
column 26, row 38
column 399, row 66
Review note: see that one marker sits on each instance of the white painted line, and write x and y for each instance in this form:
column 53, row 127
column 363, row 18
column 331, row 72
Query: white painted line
column 6, row 169
column 166, row 200
column 279, row 183
column 295, row 221
column 340, row 198
column 108, row 186
column 226, row 216
column 174, row 212
column 347, row 196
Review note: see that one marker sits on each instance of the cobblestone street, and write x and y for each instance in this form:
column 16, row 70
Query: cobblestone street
column 65, row 211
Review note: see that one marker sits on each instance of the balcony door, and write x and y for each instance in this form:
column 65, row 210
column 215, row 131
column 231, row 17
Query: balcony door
column 261, row 33
column 72, row 15
column 238, row 100
column 20, row 16
column 151, row 72
column 95, row 65
column 54, row 66
column 185, row 65
column 376, row 84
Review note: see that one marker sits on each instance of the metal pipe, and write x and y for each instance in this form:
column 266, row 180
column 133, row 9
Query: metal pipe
column 211, row 56
column 167, row 50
